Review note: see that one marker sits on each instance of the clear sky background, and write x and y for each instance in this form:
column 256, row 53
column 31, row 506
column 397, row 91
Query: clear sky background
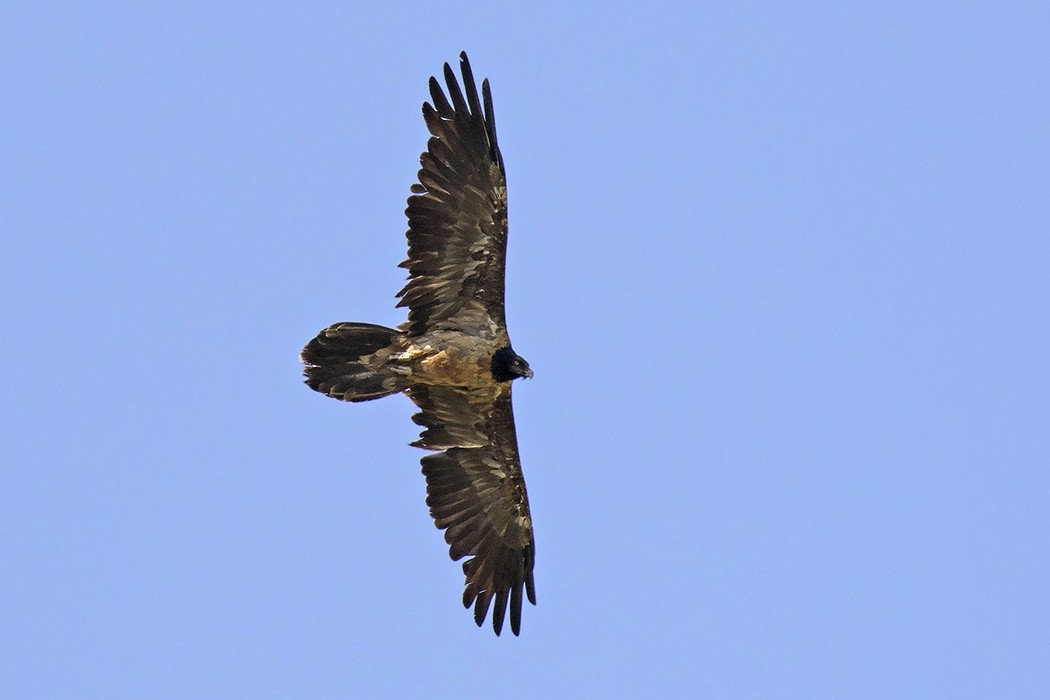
column 781, row 269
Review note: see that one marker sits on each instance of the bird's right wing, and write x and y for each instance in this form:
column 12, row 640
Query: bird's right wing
column 457, row 215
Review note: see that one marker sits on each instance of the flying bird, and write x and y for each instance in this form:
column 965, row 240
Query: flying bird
column 453, row 356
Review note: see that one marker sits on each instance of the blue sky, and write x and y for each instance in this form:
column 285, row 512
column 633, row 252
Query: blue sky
column 781, row 270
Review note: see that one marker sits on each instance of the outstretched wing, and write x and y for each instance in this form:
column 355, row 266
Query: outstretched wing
column 457, row 215
column 476, row 494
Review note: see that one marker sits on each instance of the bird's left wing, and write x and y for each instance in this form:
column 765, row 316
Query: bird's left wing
column 476, row 493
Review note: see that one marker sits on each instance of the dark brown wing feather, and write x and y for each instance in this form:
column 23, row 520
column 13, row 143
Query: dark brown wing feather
column 457, row 216
column 476, row 494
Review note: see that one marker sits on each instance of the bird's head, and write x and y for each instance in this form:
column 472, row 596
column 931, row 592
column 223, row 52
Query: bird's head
column 508, row 365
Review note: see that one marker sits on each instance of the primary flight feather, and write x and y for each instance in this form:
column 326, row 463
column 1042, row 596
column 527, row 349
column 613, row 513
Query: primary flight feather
column 453, row 356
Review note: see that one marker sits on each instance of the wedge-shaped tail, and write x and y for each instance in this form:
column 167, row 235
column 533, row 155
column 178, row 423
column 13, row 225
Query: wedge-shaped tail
column 349, row 361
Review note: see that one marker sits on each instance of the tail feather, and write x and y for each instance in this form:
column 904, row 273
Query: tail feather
column 348, row 361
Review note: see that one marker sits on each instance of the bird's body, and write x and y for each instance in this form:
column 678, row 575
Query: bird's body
column 453, row 355
column 450, row 358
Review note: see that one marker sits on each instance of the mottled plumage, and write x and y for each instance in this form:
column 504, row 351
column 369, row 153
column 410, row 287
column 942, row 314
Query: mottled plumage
column 453, row 356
